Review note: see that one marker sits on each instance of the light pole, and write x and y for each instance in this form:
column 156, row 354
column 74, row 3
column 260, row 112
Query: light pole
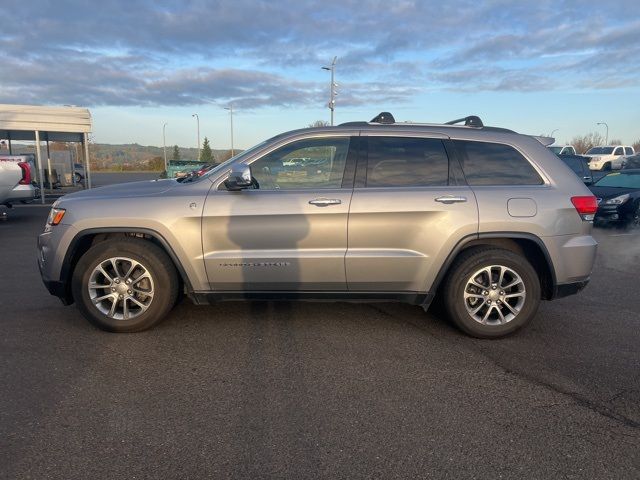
column 606, row 138
column 230, row 108
column 332, row 90
column 553, row 131
column 198, row 123
column 164, row 147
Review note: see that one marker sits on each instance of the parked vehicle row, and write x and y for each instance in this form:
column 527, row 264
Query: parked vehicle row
column 488, row 219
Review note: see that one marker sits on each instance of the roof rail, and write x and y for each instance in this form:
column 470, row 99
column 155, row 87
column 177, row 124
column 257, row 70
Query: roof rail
column 470, row 121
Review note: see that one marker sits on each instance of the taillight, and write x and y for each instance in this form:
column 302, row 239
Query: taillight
column 587, row 206
column 26, row 173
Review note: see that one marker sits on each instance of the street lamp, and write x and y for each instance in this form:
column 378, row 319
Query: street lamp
column 230, row 108
column 554, row 131
column 198, row 122
column 332, row 90
column 606, row 138
column 164, row 146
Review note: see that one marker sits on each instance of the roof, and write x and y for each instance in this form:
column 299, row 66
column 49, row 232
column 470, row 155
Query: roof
column 65, row 124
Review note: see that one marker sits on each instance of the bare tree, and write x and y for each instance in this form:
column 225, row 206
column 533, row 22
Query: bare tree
column 615, row 142
column 585, row 142
column 636, row 146
column 319, row 123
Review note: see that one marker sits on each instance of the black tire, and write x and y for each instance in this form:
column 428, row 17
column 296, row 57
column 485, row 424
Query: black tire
column 152, row 258
column 606, row 167
column 457, row 281
column 78, row 178
column 633, row 220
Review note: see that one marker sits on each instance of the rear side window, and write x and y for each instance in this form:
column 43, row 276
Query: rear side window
column 406, row 162
column 628, row 151
column 486, row 163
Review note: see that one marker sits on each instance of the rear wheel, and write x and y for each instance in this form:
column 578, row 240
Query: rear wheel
column 125, row 285
column 491, row 292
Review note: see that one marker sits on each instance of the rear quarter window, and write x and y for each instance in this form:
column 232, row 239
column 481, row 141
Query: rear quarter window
column 486, row 163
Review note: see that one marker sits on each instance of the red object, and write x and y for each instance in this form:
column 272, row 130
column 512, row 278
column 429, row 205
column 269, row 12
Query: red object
column 585, row 205
column 26, row 173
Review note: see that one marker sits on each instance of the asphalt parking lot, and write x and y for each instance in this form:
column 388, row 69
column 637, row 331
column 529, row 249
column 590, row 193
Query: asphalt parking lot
column 318, row 390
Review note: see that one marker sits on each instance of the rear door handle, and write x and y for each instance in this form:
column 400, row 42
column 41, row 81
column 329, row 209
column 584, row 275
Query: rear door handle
column 451, row 199
column 324, row 202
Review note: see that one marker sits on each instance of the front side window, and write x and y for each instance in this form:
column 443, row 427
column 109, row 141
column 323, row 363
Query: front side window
column 314, row 163
column 406, row 162
column 487, row 163
column 619, row 151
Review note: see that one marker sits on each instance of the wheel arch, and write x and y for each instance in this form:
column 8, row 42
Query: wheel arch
column 528, row 245
column 85, row 239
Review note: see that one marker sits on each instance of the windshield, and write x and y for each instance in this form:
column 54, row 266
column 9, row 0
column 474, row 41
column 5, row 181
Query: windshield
column 620, row 180
column 556, row 150
column 224, row 165
column 600, row 150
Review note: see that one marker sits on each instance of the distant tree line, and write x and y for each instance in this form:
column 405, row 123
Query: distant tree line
column 582, row 143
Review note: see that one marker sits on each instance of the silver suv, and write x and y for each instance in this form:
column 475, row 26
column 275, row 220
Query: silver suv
column 486, row 220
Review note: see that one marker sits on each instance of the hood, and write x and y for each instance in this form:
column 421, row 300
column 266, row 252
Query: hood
column 610, row 192
column 131, row 189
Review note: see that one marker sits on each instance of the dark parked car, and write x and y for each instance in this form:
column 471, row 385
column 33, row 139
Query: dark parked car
column 632, row 162
column 618, row 197
column 580, row 165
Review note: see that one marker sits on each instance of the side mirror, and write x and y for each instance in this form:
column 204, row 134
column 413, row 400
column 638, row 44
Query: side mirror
column 239, row 177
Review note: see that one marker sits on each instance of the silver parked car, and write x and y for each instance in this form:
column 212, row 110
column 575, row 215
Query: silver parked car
column 488, row 220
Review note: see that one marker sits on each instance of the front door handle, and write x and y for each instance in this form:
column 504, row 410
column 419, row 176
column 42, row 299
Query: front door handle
column 451, row 199
column 324, row 202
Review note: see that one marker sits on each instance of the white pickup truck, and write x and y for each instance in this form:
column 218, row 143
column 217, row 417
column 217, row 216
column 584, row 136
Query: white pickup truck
column 608, row 157
column 15, row 181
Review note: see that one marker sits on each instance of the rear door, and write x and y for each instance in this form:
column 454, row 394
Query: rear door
column 409, row 208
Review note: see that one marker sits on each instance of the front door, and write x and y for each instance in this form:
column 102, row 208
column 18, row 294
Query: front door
column 289, row 232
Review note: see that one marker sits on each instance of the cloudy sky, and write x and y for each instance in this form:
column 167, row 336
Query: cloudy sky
column 533, row 66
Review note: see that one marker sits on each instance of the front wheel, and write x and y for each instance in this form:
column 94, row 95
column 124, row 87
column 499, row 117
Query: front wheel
column 633, row 221
column 491, row 292
column 125, row 285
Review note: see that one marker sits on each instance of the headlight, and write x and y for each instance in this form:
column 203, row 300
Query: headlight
column 56, row 215
column 617, row 200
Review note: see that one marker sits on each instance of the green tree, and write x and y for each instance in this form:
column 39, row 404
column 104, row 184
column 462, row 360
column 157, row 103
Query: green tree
column 206, row 155
column 176, row 153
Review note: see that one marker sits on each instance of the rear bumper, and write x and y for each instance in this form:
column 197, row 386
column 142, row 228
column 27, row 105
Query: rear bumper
column 22, row 193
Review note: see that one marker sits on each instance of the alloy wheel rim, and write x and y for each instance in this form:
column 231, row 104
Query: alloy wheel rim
column 494, row 295
column 121, row 288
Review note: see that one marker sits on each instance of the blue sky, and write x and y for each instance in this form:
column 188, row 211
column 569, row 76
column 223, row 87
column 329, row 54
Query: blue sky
column 530, row 66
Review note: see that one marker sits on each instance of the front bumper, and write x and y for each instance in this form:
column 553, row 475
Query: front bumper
column 50, row 261
column 565, row 289
column 610, row 214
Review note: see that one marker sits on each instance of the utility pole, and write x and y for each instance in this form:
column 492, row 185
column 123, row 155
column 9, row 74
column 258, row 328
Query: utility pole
column 164, row 147
column 230, row 108
column 198, row 123
column 332, row 90
column 606, row 138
